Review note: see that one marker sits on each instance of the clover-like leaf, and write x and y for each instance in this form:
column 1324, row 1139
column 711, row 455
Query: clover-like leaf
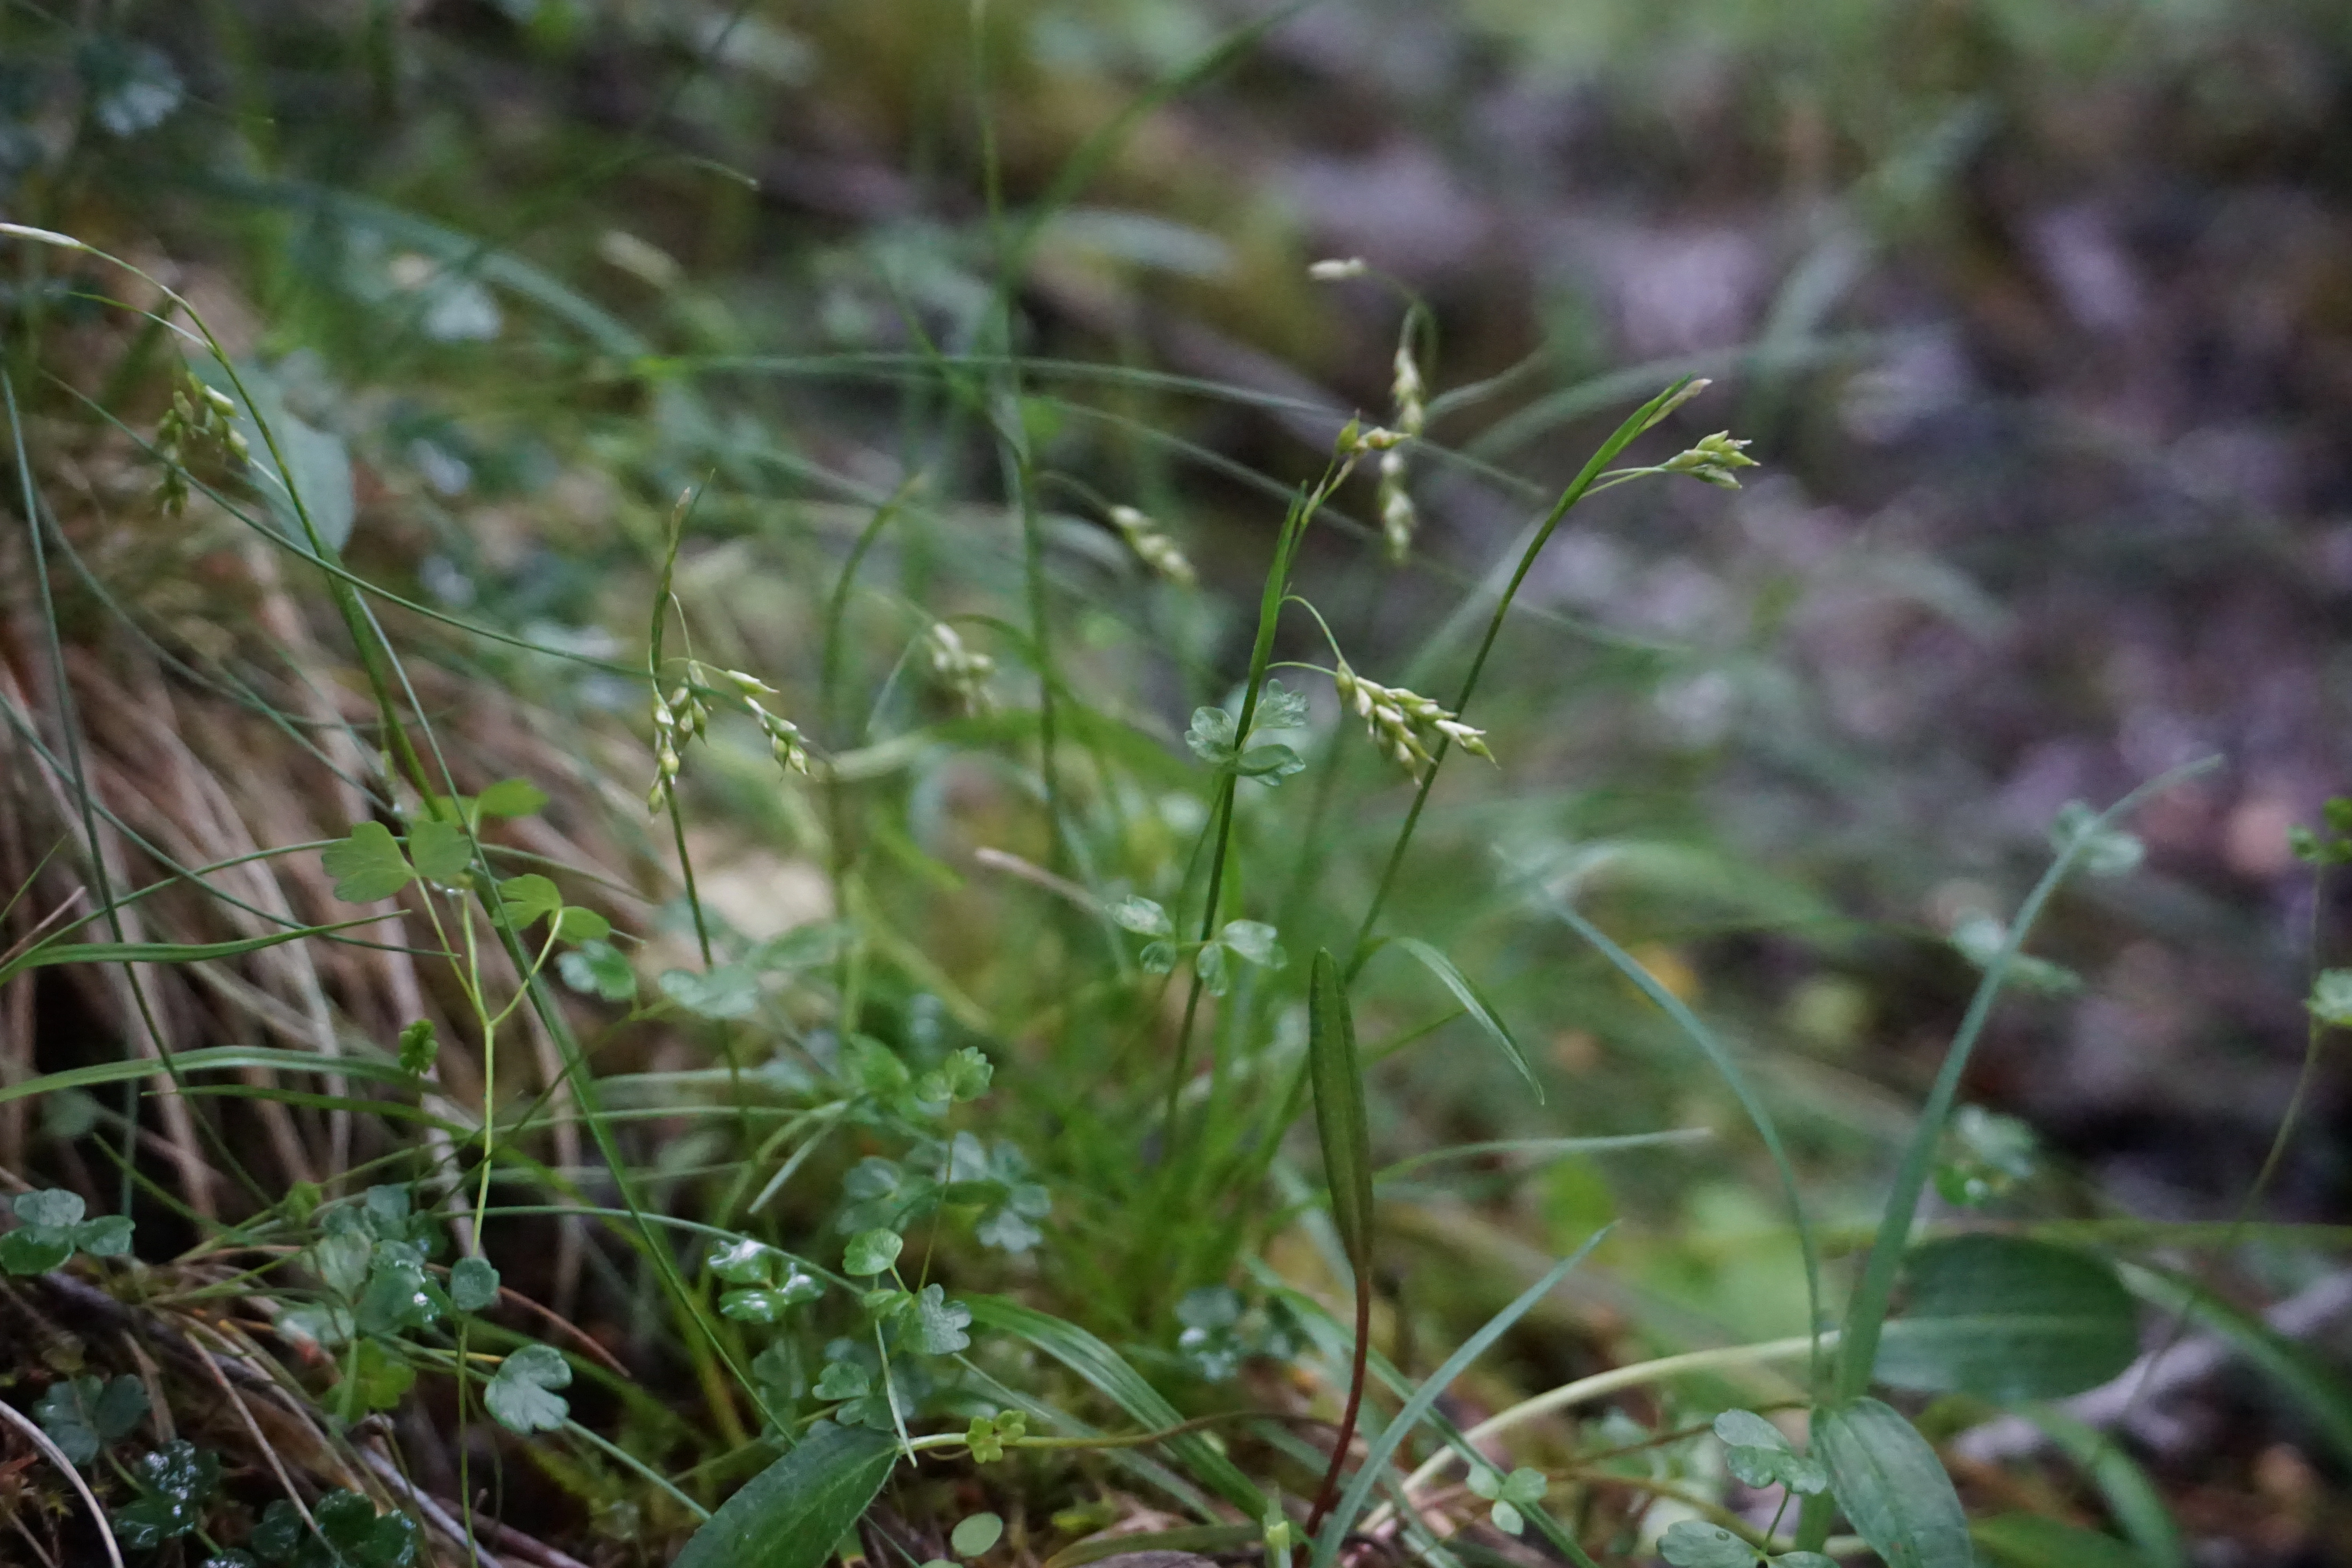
column 573, row 923
column 397, row 1296
column 35, row 1249
column 377, row 1379
column 1211, row 736
column 1270, row 763
column 843, row 1380
column 50, row 1208
column 439, row 850
column 1209, row 963
column 108, row 1236
column 419, row 1046
column 473, row 1284
column 367, row 864
column 2331, row 998
column 510, row 797
column 2104, row 851
column 872, row 1252
column 351, row 1534
column 597, row 968
column 82, row 1414
column 1157, row 957
column 529, row 899
column 522, row 1397
column 1756, row 1451
column 730, row 991
column 1279, row 707
column 173, row 1483
column 744, row 1261
column 1141, row 916
column 940, row 1323
column 1254, row 940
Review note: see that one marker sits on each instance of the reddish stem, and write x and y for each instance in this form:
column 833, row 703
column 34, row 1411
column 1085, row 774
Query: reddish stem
column 1329, row 1494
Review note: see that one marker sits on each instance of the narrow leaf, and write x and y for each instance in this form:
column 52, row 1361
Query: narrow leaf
column 1475, row 1003
column 1892, row 1486
column 1340, row 1116
column 161, row 952
column 794, row 1513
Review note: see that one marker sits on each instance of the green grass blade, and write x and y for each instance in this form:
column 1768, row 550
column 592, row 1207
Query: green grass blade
column 1474, row 1002
column 52, row 953
column 1112, row 1376
column 1341, row 1119
column 1334, row 1533
column 210, row 1058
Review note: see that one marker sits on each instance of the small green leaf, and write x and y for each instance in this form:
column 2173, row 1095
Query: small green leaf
column 794, row 1513
column 573, row 923
column 872, row 1252
column 419, row 1046
column 2106, row 851
column 1756, row 1451
column 977, row 1534
column 50, row 1208
column 1270, row 763
column 964, row 1076
column 1279, row 707
column 397, row 1296
column 744, row 1261
column 108, row 1236
column 473, row 1284
column 1141, row 916
column 730, row 991
column 173, row 1483
column 82, row 1414
column 522, row 1397
column 755, row 1305
column 1340, row 1121
column 940, row 1323
column 1157, row 957
column 2331, row 998
column 367, row 865
column 1212, row 736
column 1209, row 963
column 1803, row 1560
column 2008, row 1320
column 439, row 850
column 528, row 897
column 1694, row 1543
column 378, row 1379
column 1254, row 940
column 510, row 797
column 1893, row 1488
column 30, row 1249
column 598, row 969
column 843, row 1380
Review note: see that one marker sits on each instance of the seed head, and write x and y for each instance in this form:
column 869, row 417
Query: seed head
column 1712, row 460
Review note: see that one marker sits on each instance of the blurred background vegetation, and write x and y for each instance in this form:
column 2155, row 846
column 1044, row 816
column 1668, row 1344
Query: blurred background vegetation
column 2040, row 319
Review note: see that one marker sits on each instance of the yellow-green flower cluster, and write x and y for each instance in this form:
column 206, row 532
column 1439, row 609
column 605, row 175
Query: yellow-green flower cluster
column 1152, row 547
column 1405, row 724
column 1712, row 460
column 1399, row 520
column 685, row 715
column 959, row 669
column 200, row 415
